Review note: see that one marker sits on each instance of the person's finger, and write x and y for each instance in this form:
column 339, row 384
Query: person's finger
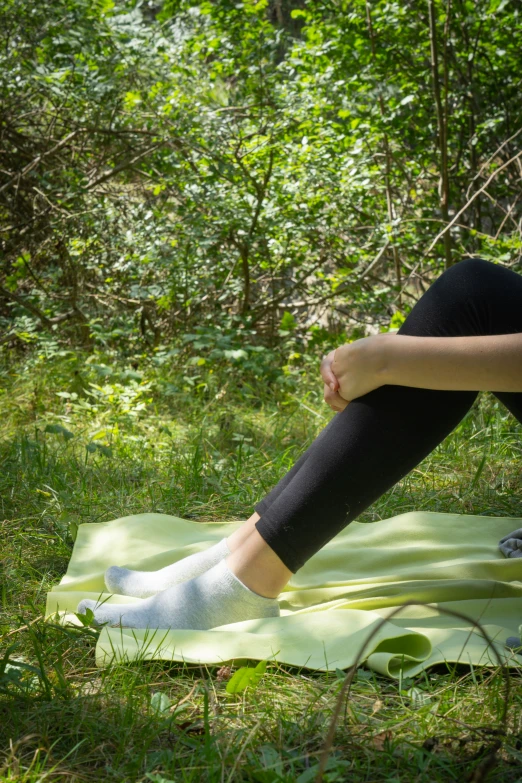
column 339, row 403
column 328, row 396
column 327, row 373
column 334, row 400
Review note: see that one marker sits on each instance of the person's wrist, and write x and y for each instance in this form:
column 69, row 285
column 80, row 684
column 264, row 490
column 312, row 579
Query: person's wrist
column 384, row 346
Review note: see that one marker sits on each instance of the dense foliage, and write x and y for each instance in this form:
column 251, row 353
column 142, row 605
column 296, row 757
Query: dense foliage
column 195, row 200
column 235, row 172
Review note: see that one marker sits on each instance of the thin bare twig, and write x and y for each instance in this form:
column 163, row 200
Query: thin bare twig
column 345, row 690
column 374, row 263
column 471, row 200
column 121, row 167
column 30, row 166
column 23, row 627
column 486, row 164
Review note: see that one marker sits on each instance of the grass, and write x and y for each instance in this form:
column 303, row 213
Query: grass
column 210, row 457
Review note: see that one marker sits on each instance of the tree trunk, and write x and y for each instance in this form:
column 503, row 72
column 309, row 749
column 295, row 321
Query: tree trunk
column 442, row 120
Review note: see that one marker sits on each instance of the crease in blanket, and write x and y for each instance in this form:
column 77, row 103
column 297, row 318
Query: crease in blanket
column 334, row 603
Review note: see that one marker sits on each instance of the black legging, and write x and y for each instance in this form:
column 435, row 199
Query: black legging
column 379, row 437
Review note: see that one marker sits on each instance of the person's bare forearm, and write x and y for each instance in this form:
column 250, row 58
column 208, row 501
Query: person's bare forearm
column 489, row 363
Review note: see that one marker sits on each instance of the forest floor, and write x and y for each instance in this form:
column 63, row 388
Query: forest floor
column 210, row 459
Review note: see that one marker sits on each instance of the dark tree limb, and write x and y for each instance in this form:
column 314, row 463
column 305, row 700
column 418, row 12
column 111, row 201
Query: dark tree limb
column 387, row 152
column 442, row 125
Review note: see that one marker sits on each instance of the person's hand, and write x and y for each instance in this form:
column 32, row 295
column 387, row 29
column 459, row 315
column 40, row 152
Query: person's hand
column 331, row 384
column 359, row 367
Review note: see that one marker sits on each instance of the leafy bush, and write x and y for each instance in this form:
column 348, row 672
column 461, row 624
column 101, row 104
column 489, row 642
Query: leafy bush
column 287, row 163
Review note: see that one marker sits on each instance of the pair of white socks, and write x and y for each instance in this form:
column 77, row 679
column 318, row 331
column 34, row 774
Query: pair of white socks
column 198, row 593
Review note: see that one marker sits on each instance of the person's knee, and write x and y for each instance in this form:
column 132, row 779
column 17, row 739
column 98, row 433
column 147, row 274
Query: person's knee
column 456, row 303
column 469, row 271
column 469, row 280
column 473, row 297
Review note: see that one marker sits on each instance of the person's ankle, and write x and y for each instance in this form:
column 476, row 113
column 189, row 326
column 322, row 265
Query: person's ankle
column 258, row 567
column 239, row 536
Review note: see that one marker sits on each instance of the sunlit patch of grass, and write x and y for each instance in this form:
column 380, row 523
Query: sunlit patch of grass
column 210, row 460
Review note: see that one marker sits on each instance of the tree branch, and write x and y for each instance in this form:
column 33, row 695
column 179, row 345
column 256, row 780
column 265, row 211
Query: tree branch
column 30, row 166
column 387, row 176
column 442, row 126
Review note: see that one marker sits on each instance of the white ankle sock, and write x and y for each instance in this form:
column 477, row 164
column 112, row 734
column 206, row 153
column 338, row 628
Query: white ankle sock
column 216, row 597
column 142, row 584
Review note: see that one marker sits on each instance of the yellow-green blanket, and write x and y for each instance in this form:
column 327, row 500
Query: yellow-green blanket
column 332, row 604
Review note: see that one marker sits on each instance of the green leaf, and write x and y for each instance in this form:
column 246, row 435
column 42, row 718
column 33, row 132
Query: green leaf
column 239, row 353
column 57, row 429
column 87, row 618
column 246, row 677
column 160, row 703
column 418, row 698
column 288, row 322
column 336, row 767
column 397, row 320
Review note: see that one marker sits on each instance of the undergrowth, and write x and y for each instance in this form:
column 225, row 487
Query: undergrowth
column 86, row 442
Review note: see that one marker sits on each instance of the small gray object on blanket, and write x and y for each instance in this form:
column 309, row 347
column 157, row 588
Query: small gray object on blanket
column 511, row 545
